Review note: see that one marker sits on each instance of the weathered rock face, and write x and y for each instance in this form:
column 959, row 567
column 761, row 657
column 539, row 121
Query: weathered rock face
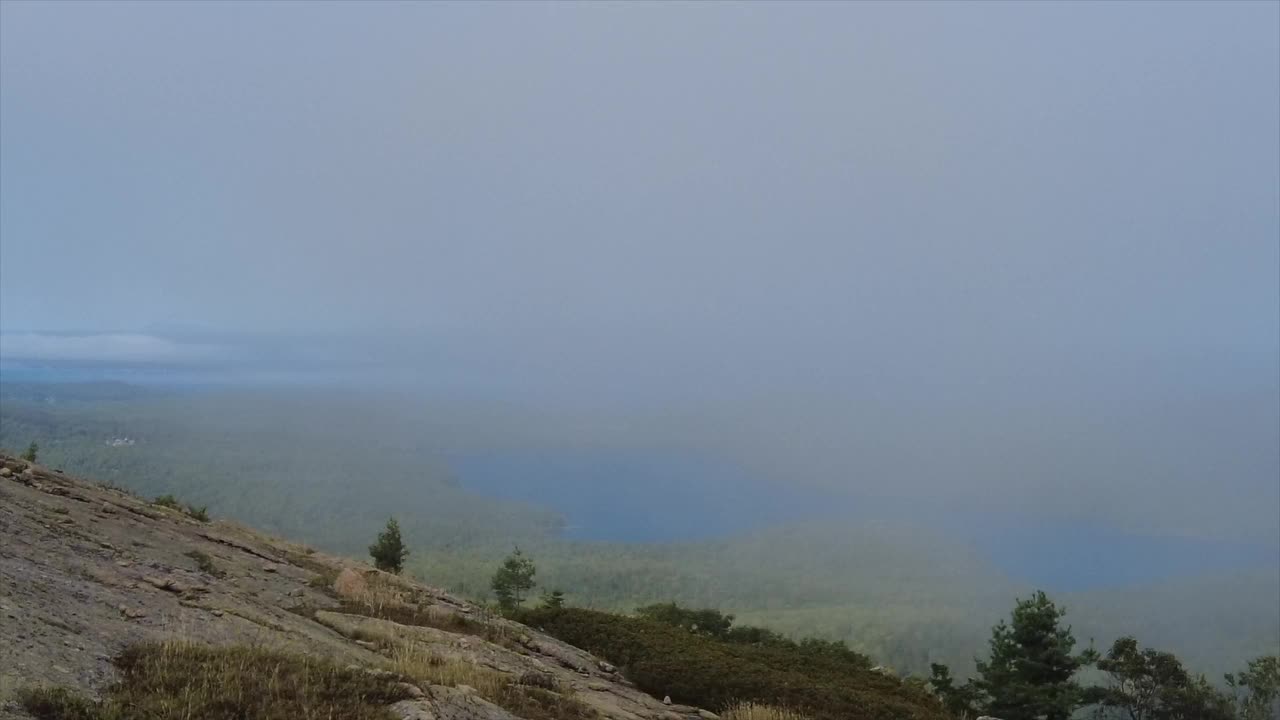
column 86, row 570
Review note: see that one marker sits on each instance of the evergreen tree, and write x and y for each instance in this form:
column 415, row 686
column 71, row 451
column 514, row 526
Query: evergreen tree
column 512, row 582
column 1028, row 676
column 553, row 600
column 33, row 451
column 389, row 551
column 961, row 701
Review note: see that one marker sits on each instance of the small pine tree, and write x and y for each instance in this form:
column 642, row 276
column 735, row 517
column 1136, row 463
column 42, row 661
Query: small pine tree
column 553, row 600
column 959, row 700
column 389, row 551
column 33, row 451
column 512, row 582
column 1029, row 673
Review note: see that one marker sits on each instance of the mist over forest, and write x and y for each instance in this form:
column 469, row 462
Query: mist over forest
column 857, row 321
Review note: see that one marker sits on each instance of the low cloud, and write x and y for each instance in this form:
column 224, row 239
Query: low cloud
column 104, row 348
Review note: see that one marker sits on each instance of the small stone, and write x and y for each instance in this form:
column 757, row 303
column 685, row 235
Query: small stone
column 108, row 508
column 606, row 667
column 465, row 689
column 5, row 472
column 168, row 583
column 217, row 613
column 123, row 563
column 666, row 700
column 414, row 691
column 269, row 568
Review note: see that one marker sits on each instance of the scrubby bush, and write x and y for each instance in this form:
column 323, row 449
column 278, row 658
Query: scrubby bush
column 697, row 669
column 706, row 621
column 205, row 563
column 196, row 513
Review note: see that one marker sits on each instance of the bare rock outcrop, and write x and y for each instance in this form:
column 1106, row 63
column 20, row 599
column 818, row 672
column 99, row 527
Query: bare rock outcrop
column 86, row 570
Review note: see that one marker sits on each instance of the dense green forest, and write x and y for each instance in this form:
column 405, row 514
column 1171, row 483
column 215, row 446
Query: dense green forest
column 329, row 470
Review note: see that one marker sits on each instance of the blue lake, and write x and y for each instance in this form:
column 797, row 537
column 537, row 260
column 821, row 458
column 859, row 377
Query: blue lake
column 660, row 497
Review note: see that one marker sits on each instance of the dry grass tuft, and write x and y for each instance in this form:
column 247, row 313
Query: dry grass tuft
column 418, row 662
column 371, row 596
column 180, row 680
column 755, row 711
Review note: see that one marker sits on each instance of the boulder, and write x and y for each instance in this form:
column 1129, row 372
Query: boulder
column 414, row 691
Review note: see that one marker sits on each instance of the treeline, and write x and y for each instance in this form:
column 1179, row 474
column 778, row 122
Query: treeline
column 1032, row 672
column 1033, row 669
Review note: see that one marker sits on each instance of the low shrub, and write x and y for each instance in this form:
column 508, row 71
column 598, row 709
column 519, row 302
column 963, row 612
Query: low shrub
column 205, row 563
column 697, row 669
column 197, row 513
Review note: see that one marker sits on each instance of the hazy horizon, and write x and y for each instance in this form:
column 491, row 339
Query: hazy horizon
column 1013, row 258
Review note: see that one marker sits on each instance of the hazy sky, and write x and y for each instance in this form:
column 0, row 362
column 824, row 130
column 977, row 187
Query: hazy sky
column 1017, row 252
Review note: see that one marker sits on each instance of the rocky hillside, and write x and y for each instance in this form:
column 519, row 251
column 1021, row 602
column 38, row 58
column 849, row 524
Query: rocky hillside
column 93, row 578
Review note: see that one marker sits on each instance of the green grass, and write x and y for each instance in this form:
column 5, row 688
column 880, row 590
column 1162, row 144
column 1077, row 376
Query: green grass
column 196, row 513
column 182, row 681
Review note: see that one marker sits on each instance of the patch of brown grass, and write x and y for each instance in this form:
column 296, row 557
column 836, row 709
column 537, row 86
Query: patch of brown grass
column 416, row 661
column 756, row 711
column 179, row 680
column 386, row 608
